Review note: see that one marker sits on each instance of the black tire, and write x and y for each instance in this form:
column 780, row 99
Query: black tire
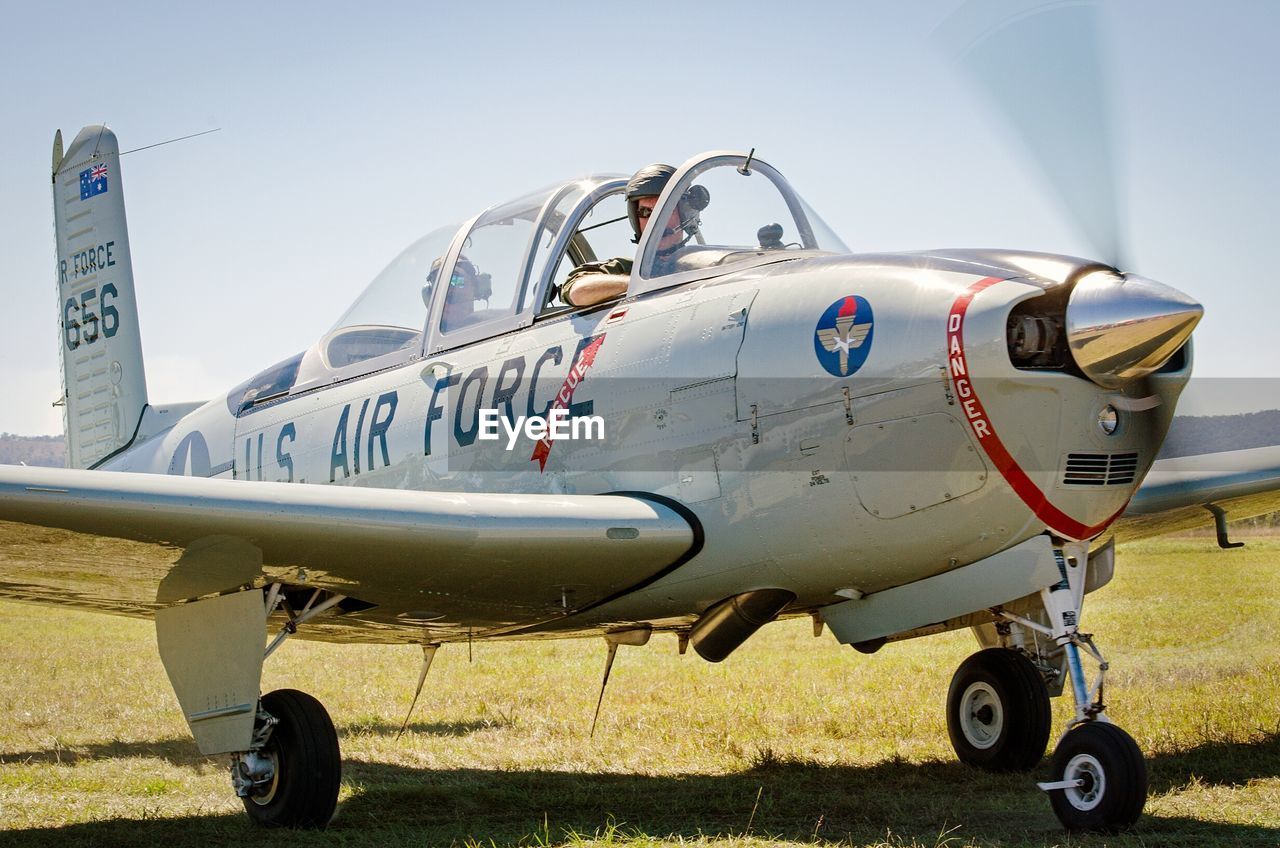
column 1115, row 791
column 304, row 745
column 998, row 714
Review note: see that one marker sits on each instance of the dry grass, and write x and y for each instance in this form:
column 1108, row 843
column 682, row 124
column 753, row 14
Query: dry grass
column 792, row 740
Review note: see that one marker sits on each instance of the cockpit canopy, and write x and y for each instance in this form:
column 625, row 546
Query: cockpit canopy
column 503, row 269
column 726, row 211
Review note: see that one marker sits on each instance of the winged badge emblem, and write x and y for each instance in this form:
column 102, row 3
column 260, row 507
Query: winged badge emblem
column 845, row 335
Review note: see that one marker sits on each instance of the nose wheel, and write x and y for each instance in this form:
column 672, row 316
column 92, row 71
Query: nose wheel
column 998, row 712
column 291, row 778
column 1100, row 779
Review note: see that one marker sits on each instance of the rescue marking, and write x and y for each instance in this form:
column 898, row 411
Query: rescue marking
column 564, row 398
column 980, row 423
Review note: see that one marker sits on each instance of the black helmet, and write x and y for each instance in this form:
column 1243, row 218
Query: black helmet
column 649, row 181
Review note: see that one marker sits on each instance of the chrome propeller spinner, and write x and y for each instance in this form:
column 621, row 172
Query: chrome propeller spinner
column 1122, row 327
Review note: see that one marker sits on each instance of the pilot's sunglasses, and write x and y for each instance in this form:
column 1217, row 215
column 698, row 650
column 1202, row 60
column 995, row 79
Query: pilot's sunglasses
column 644, row 211
column 457, row 280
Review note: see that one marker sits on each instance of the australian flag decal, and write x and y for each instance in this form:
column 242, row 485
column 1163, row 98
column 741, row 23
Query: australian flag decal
column 93, row 181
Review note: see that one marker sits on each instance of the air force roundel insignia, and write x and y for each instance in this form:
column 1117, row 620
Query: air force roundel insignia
column 842, row 338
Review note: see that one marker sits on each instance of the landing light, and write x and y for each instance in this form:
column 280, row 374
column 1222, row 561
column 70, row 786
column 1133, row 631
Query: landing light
column 1108, row 419
column 420, row 616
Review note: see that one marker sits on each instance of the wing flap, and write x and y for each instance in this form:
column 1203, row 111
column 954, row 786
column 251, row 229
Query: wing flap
column 131, row 543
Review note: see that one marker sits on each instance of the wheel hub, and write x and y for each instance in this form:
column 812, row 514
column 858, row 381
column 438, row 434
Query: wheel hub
column 255, row 776
column 1085, row 769
column 981, row 715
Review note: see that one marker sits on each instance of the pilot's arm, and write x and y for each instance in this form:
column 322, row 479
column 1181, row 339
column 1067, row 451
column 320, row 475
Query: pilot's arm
column 596, row 282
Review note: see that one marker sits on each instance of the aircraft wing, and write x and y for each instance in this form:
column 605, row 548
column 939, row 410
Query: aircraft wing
column 132, row 543
column 1177, row 492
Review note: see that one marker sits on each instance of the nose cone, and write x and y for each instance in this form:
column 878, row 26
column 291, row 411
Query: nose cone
column 1121, row 328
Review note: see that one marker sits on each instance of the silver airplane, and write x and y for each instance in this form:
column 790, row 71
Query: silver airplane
column 897, row 445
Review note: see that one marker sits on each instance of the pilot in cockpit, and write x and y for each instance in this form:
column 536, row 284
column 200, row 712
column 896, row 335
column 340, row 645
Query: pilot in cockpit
column 466, row 286
column 595, row 282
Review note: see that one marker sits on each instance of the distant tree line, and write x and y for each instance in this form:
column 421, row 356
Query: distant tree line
column 1259, row 522
column 49, row 451
column 1193, row 434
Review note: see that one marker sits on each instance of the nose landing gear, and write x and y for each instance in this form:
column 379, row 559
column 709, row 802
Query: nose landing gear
column 998, row 713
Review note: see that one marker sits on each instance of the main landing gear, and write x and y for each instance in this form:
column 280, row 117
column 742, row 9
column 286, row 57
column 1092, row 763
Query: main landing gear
column 291, row 773
column 998, row 714
column 291, row 777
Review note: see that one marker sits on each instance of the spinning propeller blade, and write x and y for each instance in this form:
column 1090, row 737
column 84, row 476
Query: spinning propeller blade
column 1042, row 66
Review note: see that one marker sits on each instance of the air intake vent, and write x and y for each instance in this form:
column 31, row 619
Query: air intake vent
column 1100, row 469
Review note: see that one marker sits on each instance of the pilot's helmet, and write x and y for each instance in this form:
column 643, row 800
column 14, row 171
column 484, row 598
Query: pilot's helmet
column 432, row 273
column 649, row 181
column 435, row 270
column 465, row 273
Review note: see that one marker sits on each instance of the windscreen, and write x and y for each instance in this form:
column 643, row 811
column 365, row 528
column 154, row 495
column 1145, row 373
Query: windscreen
column 722, row 212
column 488, row 279
column 398, row 297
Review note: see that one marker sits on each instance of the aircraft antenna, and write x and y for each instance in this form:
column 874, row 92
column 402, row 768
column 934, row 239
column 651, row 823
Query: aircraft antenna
column 98, row 141
column 608, row 667
column 171, row 141
column 634, row 636
column 428, row 654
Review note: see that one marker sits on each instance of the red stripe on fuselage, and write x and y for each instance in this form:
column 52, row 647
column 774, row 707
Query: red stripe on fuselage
column 980, row 423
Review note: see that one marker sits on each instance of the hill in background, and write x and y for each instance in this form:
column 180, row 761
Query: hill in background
column 1191, row 435
column 49, row 451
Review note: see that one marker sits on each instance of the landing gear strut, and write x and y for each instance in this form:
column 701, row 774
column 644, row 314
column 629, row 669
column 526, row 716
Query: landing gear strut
column 290, row 775
column 998, row 715
column 285, row 765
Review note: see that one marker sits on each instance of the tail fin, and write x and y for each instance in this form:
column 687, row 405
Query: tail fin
column 104, row 385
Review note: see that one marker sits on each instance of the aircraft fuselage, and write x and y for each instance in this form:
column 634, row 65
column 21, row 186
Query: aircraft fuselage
column 929, row 452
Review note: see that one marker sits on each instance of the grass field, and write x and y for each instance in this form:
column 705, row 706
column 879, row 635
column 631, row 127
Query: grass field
column 791, row 740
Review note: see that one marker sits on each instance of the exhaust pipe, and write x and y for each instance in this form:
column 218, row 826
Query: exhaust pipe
column 1123, row 327
column 728, row 623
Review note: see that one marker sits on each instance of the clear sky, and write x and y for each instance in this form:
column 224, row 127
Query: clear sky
column 350, row 129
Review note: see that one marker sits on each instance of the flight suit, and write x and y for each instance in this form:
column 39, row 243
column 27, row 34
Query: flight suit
column 619, row 266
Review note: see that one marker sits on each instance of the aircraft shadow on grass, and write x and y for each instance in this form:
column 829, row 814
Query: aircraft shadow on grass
column 797, row 800
column 422, row 728
column 181, row 751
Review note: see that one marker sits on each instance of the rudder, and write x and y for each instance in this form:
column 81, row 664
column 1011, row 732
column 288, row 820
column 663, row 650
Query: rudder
column 103, row 380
